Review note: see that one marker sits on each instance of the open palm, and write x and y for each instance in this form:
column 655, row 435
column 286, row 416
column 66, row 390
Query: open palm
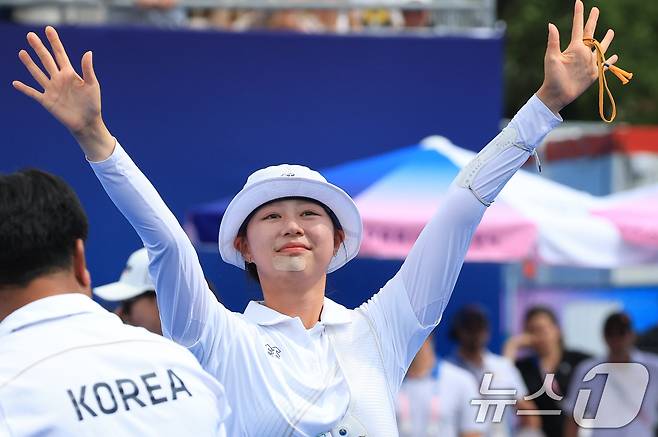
column 73, row 100
column 568, row 73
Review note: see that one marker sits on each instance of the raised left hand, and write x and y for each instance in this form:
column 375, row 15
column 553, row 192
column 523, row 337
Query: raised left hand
column 568, row 73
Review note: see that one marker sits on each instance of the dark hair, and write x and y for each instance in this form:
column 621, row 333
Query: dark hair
column 540, row 310
column 250, row 268
column 617, row 324
column 40, row 220
column 470, row 317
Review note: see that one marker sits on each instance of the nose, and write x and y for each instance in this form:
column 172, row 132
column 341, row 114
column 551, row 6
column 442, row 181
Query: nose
column 292, row 227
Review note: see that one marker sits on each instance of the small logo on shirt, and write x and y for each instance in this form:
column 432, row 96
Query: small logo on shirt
column 273, row 351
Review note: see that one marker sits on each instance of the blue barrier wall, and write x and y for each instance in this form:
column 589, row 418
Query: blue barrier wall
column 199, row 111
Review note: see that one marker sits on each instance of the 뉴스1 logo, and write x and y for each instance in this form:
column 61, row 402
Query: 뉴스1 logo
column 621, row 398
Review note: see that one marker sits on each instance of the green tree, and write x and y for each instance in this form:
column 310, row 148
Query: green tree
column 636, row 42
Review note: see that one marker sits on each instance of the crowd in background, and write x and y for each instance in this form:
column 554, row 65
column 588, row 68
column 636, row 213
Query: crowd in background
column 170, row 14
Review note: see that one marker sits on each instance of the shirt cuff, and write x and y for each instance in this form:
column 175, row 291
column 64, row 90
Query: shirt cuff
column 116, row 155
column 534, row 121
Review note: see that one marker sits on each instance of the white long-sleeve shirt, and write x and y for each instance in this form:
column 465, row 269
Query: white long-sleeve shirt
column 282, row 379
column 70, row 368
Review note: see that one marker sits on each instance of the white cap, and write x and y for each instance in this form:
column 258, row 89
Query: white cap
column 134, row 279
column 288, row 180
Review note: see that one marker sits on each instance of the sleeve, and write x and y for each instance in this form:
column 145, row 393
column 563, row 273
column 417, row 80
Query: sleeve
column 429, row 273
column 189, row 311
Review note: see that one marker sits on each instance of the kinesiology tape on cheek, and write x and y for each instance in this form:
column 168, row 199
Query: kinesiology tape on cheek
column 492, row 168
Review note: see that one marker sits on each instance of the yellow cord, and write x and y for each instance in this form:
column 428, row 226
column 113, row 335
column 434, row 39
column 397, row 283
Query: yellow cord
column 624, row 77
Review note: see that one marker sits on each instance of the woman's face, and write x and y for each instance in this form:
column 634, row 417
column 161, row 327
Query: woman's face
column 292, row 235
column 545, row 333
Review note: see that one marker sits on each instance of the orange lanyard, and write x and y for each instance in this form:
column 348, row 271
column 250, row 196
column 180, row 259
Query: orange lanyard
column 624, row 77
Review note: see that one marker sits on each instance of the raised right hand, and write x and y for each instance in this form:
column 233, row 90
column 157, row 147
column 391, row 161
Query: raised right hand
column 73, row 100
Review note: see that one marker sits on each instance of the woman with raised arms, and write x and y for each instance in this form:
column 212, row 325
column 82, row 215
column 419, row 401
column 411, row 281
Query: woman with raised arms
column 297, row 363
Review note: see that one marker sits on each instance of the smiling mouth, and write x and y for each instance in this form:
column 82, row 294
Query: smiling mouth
column 292, row 249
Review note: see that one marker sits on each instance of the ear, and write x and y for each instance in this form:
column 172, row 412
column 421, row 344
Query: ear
column 119, row 311
column 339, row 237
column 80, row 266
column 242, row 245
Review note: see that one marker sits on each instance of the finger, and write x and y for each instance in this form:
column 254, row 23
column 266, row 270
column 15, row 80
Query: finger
column 28, row 91
column 33, row 68
column 607, row 39
column 577, row 29
column 610, row 61
column 590, row 26
column 42, row 52
column 88, row 74
column 58, row 48
column 553, row 46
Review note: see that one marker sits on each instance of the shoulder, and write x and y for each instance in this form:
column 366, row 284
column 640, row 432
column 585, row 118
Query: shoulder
column 454, row 372
column 647, row 358
column 498, row 361
column 586, row 365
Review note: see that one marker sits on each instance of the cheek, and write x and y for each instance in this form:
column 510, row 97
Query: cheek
column 323, row 236
column 258, row 239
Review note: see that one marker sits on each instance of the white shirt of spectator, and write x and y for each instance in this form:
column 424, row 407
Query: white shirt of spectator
column 505, row 377
column 70, row 368
column 644, row 424
column 438, row 405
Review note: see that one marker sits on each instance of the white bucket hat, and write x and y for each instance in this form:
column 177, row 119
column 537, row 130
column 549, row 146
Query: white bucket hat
column 134, row 279
column 288, row 180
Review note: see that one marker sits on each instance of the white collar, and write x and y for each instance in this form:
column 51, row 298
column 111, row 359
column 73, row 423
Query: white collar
column 48, row 308
column 332, row 314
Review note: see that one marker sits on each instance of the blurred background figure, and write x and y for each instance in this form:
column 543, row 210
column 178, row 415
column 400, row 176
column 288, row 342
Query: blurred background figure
column 158, row 13
column 420, row 18
column 135, row 294
column 621, row 388
column 435, row 398
column 543, row 345
column 153, row 13
column 470, row 329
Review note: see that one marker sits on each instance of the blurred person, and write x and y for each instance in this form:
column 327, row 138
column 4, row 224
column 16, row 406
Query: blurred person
column 309, row 365
column 470, row 329
column 435, row 398
column 622, row 387
column 67, row 366
column 157, row 13
column 543, row 337
column 417, row 18
column 135, row 294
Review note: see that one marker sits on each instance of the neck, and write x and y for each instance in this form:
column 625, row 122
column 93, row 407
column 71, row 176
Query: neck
column 473, row 356
column 619, row 357
column 54, row 284
column 421, row 366
column 296, row 298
